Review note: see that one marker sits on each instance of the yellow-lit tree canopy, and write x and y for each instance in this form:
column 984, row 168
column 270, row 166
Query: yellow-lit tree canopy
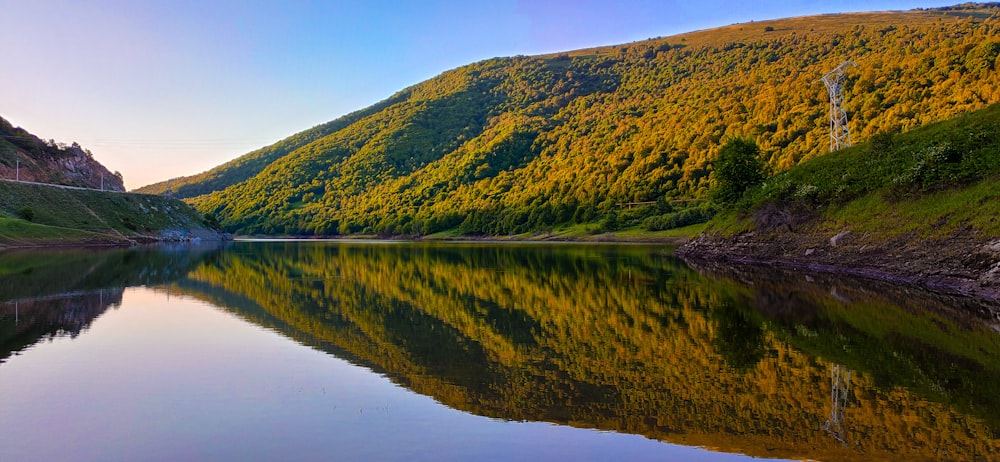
column 513, row 145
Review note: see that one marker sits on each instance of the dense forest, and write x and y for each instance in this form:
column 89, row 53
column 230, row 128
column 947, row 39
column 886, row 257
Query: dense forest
column 612, row 137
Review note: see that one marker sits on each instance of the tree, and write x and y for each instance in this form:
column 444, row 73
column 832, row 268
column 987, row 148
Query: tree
column 737, row 169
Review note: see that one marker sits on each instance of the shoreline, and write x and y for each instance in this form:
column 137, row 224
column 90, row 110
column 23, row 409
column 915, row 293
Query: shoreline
column 109, row 241
column 960, row 266
column 906, row 268
column 144, row 240
column 596, row 239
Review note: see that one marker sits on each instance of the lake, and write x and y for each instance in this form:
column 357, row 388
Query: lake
column 480, row 351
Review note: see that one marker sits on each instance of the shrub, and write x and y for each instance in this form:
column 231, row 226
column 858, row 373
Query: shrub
column 678, row 219
column 26, row 213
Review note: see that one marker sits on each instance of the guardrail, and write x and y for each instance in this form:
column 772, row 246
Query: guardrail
column 61, row 186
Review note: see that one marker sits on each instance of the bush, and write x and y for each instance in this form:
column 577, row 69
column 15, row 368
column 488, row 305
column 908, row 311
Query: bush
column 26, row 213
column 678, row 219
column 610, row 222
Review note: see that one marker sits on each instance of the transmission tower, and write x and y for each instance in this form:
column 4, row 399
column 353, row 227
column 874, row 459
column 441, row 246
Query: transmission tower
column 840, row 135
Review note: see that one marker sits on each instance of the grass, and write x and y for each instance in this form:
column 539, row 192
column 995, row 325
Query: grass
column 35, row 214
column 588, row 232
column 17, row 232
column 932, row 182
column 936, row 215
column 676, row 234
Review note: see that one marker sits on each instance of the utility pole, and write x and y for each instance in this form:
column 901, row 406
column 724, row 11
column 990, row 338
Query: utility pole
column 840, row 134
column 17, row 170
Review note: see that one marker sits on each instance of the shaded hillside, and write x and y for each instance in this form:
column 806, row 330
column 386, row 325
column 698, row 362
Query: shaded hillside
column 33, row 215
column 25, row 156
column 629, row 339
column 512, row 145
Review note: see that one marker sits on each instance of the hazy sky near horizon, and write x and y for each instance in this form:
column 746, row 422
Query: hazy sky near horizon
column 163, row 88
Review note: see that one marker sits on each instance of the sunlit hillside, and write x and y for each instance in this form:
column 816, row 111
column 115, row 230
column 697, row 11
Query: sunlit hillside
column 520, row 144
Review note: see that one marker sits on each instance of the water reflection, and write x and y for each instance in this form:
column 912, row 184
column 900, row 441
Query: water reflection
column 840, row 388
column 24, row 322
column 630, row 339
column 51, row 293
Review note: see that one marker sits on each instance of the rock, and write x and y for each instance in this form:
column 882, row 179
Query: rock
column 838, row 239
column 810, row 252
column 992, row 276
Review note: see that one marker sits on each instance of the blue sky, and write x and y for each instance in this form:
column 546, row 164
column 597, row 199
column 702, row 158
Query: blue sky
column 159, row 89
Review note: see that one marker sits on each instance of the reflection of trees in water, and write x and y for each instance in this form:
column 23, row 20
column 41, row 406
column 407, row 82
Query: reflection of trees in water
column 618, row 339
column 894, row 334
column 37, row 273
column 48, row 293
column 25, row 322
column 840, row 388
column 739, row 336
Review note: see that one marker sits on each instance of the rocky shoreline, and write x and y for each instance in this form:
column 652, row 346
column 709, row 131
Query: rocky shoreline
column 174, row 236
column 963, row 264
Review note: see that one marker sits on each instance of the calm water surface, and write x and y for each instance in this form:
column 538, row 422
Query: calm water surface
column 402, row 351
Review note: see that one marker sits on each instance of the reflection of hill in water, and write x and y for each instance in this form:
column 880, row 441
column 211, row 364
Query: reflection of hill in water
column 44, row 294
column 26, row 322
column 630, row 339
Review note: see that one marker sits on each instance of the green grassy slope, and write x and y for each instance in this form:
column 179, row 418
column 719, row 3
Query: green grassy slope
column 514, row 145
column 37, row 215
column 928, row 183
column 922, row 206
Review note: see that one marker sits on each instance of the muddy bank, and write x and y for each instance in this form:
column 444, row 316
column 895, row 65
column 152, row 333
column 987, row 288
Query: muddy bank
column 963, row 264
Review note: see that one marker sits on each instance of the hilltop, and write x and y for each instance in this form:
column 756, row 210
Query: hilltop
column 607, row 138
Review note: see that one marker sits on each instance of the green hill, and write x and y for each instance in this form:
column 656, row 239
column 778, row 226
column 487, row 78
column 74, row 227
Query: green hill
column 33, row 215
column 52, row 194
column 920, row 206
column 521, row 144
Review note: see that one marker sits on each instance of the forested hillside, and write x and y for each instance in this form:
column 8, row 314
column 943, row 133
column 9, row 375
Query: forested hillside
column 251, row 164
column 513, row 145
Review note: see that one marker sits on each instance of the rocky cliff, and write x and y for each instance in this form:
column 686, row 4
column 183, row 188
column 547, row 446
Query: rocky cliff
column 27, row 157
